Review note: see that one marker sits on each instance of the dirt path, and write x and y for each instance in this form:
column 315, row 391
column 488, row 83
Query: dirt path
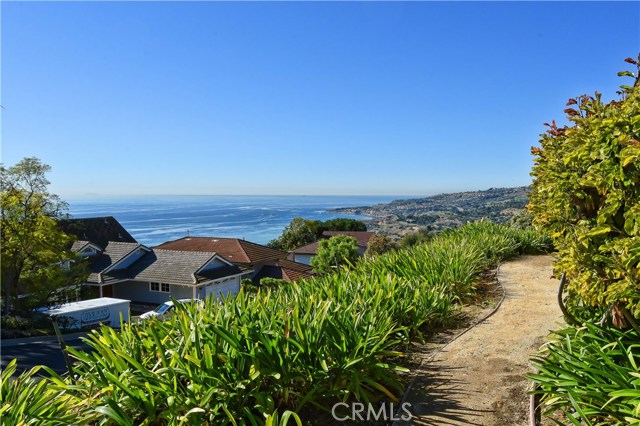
column 479, row 379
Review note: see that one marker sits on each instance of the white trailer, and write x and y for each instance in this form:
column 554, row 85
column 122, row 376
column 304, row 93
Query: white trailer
column 104, row 310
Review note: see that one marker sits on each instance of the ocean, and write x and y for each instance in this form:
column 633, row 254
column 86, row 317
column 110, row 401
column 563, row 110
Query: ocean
column 153, row 220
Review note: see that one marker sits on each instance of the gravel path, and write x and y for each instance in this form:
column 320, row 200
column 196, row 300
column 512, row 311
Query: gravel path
column 479, row 379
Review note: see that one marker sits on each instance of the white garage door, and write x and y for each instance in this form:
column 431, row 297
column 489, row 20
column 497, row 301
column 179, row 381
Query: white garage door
column 223, row 288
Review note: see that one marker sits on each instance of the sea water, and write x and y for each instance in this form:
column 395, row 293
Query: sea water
column 153, row 220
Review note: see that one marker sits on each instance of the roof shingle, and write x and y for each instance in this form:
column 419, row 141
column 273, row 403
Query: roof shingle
column 308, row 249
column 113, row 253
column 233, row 249
column 98, row 230
column 284, row 270
column 175, row 267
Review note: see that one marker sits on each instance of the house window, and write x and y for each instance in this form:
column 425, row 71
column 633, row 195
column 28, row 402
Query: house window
column 160, row 287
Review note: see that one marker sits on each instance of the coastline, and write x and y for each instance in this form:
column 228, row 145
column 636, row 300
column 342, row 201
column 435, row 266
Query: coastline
column 443, row 211
column 154, row 220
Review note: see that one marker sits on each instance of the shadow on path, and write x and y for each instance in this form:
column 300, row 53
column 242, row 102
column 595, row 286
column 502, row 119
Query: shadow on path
column 443, row 398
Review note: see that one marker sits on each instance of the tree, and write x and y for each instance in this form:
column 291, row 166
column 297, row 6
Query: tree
column 34, row 250
column 298, row 233
column 586, row 195
column 301, row 231
column 415, row 238
column 341, row 250
column 379, row 244
column 343, row 224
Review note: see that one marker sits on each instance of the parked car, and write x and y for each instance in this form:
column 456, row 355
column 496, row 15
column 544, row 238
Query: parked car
column 162, row 311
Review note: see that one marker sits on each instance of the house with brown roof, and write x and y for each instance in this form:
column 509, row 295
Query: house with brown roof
column 138, row 273
column 305, row 253
column 256, row 260
column 284, row 269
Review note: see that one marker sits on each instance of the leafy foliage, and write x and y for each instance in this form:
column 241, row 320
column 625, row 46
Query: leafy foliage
column 521, row 219
column 268, row 282
column 259, row 358
column 414, row 238
column 26, row 400
column 12, row 327
column 586, row 194
column 33, row 247
column 380, row 244
column 332, row 253
column 343, row 224
column 591, row 374
column 301, row 231
column 298, row 233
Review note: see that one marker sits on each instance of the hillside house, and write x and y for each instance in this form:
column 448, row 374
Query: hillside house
column 305, row 253
column 98, row 230
column 138, row 273
column 255, row 260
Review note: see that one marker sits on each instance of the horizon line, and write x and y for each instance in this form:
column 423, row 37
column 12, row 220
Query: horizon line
column 426, row 194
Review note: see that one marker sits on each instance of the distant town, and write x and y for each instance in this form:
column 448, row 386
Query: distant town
column 438, row 212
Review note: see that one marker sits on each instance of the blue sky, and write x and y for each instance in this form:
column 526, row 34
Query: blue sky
column 410, row 98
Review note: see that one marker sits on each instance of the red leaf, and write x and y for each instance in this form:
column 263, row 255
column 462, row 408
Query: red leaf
column 631, row 61
column 572, row 101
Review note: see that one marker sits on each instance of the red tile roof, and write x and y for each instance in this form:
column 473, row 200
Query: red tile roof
column 233, row 249
column 295, row 270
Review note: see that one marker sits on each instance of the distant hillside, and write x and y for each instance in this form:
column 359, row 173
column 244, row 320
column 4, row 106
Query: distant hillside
column 442, row 211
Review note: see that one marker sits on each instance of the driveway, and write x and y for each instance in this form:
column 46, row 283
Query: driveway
column 39, row 351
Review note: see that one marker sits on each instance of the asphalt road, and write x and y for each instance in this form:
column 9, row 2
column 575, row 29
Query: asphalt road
column 44, row 352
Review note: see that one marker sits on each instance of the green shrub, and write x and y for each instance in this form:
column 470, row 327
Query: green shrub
column 260, row 358
column 415, row 238
column 27, row 400
column 586, row 195
column 268, row 282
column 335, row 252
column 12, row 327
column 591, row 374
column 15, row 322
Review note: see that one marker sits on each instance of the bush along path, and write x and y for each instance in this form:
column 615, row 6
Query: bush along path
column 480, row 377
column 269, row 357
